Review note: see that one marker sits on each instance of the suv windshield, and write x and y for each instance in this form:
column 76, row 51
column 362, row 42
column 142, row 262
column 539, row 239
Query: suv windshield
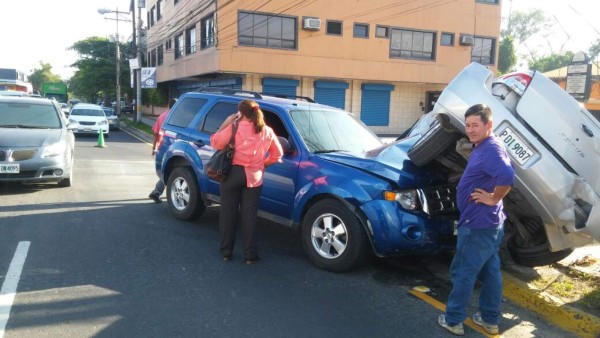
column 332, row 130
column 26, row 115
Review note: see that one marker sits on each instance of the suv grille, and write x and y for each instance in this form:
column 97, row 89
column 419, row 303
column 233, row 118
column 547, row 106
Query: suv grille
column 441, row 200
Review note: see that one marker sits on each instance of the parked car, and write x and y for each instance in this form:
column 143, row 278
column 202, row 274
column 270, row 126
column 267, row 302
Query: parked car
column 348, row 193
column 554, row 143
column 65, row 108
column 36, row 141
column 13, row 93
column 91, row 119
column 114, row 123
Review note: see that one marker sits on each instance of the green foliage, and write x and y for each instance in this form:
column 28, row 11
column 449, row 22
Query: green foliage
column 594, row 50
column 96, row 70
column 554, row 61
column 156, row 96
column 41, row 75
column 507, row 57
column 523, row 25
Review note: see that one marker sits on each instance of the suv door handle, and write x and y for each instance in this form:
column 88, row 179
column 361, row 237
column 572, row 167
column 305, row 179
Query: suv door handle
column 199, row 143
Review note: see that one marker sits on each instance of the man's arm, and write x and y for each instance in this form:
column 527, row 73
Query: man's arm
column 493, row 198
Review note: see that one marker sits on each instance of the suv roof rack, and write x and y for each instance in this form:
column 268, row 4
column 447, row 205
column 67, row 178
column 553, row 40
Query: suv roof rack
column 229, row 91
column 285, row 96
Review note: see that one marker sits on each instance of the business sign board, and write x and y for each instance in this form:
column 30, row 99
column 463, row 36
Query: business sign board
column 148, row 77
column 579, row 77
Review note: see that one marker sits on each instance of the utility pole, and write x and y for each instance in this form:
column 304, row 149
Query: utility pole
column 138, row 73
column 118, row 56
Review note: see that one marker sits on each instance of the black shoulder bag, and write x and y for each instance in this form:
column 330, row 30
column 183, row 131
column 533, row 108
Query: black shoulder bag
column 219, row 164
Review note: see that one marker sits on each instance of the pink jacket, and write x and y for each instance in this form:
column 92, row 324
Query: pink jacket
column 250, row 149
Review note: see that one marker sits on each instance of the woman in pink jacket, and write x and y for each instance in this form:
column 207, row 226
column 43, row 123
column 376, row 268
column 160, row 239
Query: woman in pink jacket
column 240, row 192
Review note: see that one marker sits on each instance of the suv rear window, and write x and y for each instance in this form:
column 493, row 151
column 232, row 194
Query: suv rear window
column 217, row 114
column 186, row 111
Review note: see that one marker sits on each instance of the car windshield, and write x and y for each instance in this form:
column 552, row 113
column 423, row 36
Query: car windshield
column 87, row 112
column 109, row 111
column 27, row 115
column 333, row 130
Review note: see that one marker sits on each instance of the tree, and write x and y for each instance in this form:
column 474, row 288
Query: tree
column 95, row 75
column 41, row 75
column 507, row 57
column 551, row 62
column 594, row 50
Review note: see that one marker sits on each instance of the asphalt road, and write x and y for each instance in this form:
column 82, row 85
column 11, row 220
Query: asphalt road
column 105, row 261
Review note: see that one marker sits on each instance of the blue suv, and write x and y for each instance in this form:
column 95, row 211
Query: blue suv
column 349, row 194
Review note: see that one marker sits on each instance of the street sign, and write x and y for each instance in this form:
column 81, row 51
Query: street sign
column 579, row 76
column 148, row 77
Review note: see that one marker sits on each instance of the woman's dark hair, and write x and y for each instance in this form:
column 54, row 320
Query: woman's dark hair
column 251, row 110
column 172, row 103
column 481, row 110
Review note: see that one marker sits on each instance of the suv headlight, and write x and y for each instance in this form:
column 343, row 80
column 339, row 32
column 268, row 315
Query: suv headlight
column 408, row 199
column 55, row 149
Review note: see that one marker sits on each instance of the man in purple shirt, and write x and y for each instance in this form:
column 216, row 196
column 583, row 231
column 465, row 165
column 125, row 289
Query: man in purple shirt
column 487, row 178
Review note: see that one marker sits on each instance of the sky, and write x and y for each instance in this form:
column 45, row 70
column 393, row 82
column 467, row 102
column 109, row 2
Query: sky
column 43, row 30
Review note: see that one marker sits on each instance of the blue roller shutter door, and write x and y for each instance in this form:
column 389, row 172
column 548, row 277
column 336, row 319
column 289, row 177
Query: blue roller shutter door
column 331, row 93
column 279, row 86
column 375, row 104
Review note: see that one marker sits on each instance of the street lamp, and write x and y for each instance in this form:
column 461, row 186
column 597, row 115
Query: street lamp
column 118, row 88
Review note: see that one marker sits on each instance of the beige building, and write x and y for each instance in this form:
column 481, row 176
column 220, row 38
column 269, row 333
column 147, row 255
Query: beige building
column 383, row 60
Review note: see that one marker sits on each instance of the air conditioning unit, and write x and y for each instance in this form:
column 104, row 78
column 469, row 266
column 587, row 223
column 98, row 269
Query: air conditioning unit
column 311, row 24
column 467, row 40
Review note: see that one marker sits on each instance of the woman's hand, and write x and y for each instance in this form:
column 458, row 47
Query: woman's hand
column 229, row 120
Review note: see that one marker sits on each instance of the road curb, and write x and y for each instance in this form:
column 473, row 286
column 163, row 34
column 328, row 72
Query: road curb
column 571, row 319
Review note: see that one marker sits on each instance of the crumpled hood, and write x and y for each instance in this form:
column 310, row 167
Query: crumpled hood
column 23, row 137
column 389, row 161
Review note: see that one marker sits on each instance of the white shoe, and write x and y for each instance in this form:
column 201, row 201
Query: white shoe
column 489, row 328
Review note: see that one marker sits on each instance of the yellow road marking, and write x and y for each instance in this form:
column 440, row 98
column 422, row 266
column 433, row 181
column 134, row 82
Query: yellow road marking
column 442, row 307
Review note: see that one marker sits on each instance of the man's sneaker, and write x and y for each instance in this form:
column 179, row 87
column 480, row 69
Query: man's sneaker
column 489, row 328
column 456, row 329
column 155, row 198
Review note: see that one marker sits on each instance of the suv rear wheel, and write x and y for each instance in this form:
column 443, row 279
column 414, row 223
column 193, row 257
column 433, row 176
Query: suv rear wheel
column 183, row 194
column 333, row 237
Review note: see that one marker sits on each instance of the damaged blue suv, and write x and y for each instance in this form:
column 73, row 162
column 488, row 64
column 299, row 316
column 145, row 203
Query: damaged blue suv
column 349, row 194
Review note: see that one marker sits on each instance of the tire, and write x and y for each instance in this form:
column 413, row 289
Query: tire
column 534, row 255
column 183, row 194
column 327, row 222
column 434, row 142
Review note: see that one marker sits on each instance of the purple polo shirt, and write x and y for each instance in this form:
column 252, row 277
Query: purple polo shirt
column 489, row 166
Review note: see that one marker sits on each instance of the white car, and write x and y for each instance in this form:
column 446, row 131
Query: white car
column 91, row 119
column 554, row 144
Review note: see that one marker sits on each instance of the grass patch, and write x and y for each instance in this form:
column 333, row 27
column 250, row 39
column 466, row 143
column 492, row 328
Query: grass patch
column 139, row 126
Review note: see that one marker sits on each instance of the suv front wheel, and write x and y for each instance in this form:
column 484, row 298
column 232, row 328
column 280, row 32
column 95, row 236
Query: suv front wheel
column 332, row 236
column 183, row 194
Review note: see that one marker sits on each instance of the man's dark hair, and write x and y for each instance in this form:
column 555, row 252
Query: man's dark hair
column 480, row 110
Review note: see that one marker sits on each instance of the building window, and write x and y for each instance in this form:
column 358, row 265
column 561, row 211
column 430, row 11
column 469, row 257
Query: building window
column 179, row 46
column 382, row 32
column 159, row 55
column 334, row 27
column 487, row 1
column 190, row 40
column 266, row 30
column 153, row 58
column 168, row 44
column 483, row 50
column 159, row 9
column 152, row 16
column 207, row 26
column 447, row 39
column 361, row 30
column 408, row 44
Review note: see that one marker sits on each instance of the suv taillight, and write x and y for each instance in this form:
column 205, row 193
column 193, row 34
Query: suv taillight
column 518, row 82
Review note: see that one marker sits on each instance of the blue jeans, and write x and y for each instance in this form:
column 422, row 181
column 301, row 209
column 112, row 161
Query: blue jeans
column 476, row 258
